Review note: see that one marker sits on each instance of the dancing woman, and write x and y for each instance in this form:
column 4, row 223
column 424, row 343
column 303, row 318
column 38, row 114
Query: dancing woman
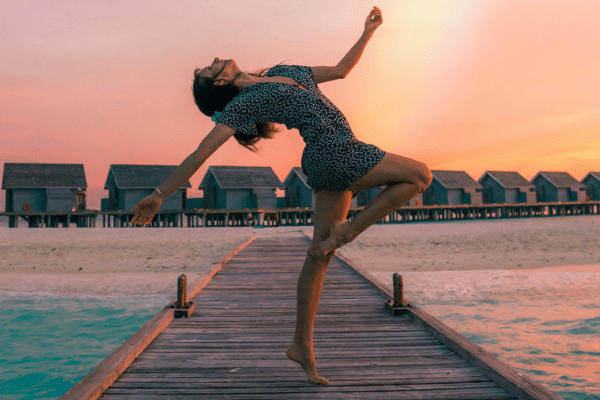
column 337, row 165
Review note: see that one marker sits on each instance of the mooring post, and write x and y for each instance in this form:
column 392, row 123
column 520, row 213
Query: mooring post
column 398, row 290
column 181, row 289
column 182, row 309
column 397, row 306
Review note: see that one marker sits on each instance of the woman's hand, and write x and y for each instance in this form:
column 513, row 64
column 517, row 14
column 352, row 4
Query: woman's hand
column 373, row 20
column 146, row 209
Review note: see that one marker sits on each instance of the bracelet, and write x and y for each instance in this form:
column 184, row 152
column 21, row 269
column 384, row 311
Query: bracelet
column 159, row 192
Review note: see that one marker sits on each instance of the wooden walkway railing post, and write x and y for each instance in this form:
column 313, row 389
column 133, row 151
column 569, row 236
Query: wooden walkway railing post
column 398, row 305
column 182, row 308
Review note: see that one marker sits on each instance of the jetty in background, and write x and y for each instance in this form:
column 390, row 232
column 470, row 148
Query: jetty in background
column 367, row 341
column 299, row 216
column 52, row 195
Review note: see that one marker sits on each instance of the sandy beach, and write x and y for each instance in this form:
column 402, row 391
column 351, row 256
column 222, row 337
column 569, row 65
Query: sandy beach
column 128, row 261
column 105, row 262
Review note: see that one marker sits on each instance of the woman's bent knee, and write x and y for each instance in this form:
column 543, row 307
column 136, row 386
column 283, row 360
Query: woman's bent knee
column 424, row 177
column 323, row 260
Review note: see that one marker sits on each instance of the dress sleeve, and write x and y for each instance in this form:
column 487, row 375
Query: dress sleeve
column 239, row 115
column 304, row 75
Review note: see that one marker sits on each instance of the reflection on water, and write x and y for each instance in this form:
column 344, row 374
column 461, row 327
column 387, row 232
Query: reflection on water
column 546, row 323
column 50, row 342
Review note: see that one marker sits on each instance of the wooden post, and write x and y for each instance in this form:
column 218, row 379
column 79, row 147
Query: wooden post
column 397, row 306
column 182, row 309
column 398, row 290
column 181, row 290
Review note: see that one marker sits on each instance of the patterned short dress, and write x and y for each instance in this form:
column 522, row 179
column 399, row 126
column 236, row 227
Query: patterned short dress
column 333, row 158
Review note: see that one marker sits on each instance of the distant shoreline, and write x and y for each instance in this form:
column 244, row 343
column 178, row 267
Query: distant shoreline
column 131, row 261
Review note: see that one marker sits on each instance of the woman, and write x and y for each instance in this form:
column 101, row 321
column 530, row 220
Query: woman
column 246, row 106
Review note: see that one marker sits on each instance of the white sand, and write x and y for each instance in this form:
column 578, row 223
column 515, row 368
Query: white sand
column 113, row 261
column 527, row 243
column 127, row 261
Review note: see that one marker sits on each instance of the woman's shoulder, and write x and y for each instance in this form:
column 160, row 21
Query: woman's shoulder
column 300, row 73
column 290, row 68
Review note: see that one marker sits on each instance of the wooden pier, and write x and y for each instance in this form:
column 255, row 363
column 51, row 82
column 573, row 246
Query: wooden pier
column 52, row 219
column 233, row 345
column 202, row 218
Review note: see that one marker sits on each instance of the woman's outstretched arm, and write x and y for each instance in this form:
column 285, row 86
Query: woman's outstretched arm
column 148, row 206
column 343, row 68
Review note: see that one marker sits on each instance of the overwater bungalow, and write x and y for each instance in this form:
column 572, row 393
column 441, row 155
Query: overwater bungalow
column 506, row 187
column 297, row 191
column 37, row 187
column 557, row 186
column 592, row 186
column 127, row 184
column 238, row 188
column 452, row 187
column 299, row 194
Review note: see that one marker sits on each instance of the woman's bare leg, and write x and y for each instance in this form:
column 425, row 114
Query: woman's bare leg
column 329, row 207
column 405, row 179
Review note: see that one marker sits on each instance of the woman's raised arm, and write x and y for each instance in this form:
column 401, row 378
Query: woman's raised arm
column 325, row 74
column 148, row 206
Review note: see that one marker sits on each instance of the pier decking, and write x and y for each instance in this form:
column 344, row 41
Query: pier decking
column 233, row 345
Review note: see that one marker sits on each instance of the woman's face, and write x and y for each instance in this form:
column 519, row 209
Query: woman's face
column 219, row 69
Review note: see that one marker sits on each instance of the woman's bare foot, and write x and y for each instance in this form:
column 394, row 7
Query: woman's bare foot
column 340, row 235
column 305, row 358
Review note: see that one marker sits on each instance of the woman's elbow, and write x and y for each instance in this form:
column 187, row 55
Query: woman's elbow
column 199, row 156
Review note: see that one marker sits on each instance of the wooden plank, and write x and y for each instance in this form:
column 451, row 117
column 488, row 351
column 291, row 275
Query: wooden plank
column 460, row 394
column 156, row 364
column 243, row 375
column 101, row 377
column 287, row 387
column 331, row 344
column 201, row 282
column 191, row 389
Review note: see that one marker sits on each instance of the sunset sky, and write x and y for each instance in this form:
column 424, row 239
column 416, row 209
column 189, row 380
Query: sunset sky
column 466, row 85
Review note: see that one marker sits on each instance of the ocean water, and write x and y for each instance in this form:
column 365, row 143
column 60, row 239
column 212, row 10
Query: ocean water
column 545, row 322
column 49, row 342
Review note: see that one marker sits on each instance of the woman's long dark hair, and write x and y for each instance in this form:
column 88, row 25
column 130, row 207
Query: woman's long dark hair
column 210, row 98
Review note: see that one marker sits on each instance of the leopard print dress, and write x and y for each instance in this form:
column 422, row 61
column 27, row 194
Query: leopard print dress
column 333, row 158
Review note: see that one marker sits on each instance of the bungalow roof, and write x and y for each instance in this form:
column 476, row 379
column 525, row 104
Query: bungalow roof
column 234, row 177
column 592, row 174
column 296, row 171
column 135, row 176
column 455, row 179
column 558, row 179
column 40, row 175
column 507, row 179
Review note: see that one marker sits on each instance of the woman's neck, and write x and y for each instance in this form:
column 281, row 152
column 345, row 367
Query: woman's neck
column 244, row 79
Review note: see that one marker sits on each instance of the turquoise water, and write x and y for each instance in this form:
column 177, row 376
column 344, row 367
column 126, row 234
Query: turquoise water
column 544, row 323
column 50, row 342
